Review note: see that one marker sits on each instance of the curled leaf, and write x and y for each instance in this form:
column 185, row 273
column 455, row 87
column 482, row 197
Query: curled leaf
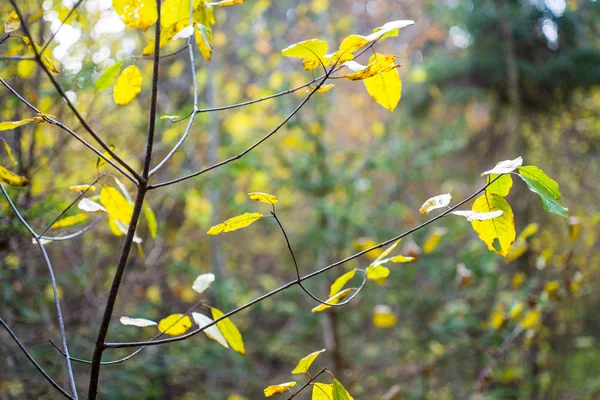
column 203, row 282
column 213, row 331
column 12, row 179
column 141, row 322
column 435, row 202
column 277, row 389
column 505, row 167
column 90, row 206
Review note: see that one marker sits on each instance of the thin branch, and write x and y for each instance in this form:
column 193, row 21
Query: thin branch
column 312, row 379
column 61, row 25
column 17, row 58
column 305, row 277
column 61, row 323
column 70, row 131
column 35, row 363
column 62, row 93
column 74, row 234
column 161, row 57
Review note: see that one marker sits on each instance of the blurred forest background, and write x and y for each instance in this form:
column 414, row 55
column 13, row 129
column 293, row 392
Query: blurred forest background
column 483, row 81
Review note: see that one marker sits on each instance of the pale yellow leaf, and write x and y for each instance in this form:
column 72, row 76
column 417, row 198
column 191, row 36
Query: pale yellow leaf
column 90, row 206
column 498, row 233
column 12, row 23
column 263, row 197
column 505, row 167
column 433, row 239
column 305, row 362
column 12, row 179
column 229, row 331
column 341, row 282
column 435, row 202
column 117, row 207
column 140, row 14
column 4, row 126
column 478, row 216
column 332, row 300
column 128, row 86
column 175, row 324
column 226, row 3
column 140, row 322
column 203, row 282
column 312, row 51
column 277, row 389
column 212, row 331
column 68, row 221
column 235, row 223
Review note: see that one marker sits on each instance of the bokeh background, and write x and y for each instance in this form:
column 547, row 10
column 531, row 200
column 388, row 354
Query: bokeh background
column 483, row 81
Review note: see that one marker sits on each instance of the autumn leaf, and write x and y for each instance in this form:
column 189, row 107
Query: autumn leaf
column 226, row 3
column 377, row 272
column 379, row 65
column 339, row 392
column 150, row 219
column 540, row 183
column 235, row 223
column 12, row 179
column 203, row 282
column 140, row 322
column 128, row 86
column 90, row 206
column 385, row 87
column 108, row 76
column 101, row 161
column 229, row 331
column 332, row 300
column 478, row 216
column 532, row 319
column 140, row 14
column 45, row 59
column 383, row 317
column 83, row 188
column 212, row 331
column 324, row 88
column 505, row 167
column 312, row 52
column 322, row 391
column 9, row 152
column 435, row 202
column 497, row 233
column 263, row 197
column 277, row 389
column 433, row 239
column 204, row 40
column 305, row 362
column 12, row 23
column 68, row 221
column 500, row 186
column 175, row 324
column 340, row 282
column 5, row 126
column 117, row 207
column 363, row 244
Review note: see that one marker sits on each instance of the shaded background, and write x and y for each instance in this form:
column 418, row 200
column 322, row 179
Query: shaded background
column 483, row 81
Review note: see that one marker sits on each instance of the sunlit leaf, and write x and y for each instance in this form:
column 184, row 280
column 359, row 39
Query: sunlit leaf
column 229, row 331
column 312, row 51
column 184, row 33
column 435, row 202
column 379, row 65
column 505, row 167
column 203, row 282
column 478, row 216
column 35, row 49
column 12, row 179
column 12, row 23
column 235, row 223
column 433, row 239
column 204, row 40
column 128, row 86
column 150, row 219
column 213, row 331
column 363, row 244
column 341, row 282
column 497, row 233
column 263, row 197
column 305, row 362
column 117, row 207
column 68, row 221
column 140, row 14
column 332, row 300
column 141, row 322
column 90, row 206
column 83, row 188
column 166, row 34
column 339, row 392
column 500, row 186
column 5, row 126
column 540, row 183
column 532, row 319
column 377, row 272
column 226, row 3
column 383, row 317
column 9, row 152
column 277, row 389
column 100, row 161
column 175, row 324
column 322, row 391
column 385, row 87
column 108, row 76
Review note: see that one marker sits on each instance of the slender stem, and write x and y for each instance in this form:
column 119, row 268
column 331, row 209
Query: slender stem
column 161, row 57
column 305, row 277
column 35, row 363
column 312, row 379
column 61, row 323
column 74, row 234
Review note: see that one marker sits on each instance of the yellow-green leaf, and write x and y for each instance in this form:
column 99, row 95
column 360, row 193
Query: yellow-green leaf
column 263, row 197
column 128, row 86
column 501, row 186
column 204, row 40
column 304, row 363
column 117, row 207
column 108, row 76
column 322, row 391
column 9, row 152
column 175, row 324
column 12, row 179
column 325, row 88
column 4, row 126
column 435, row 202
column 277, row 389
column 235, row 223
column 151, row 219
column 83, row 188
column 538, row 182
column 341, row 282
column 385, row 87
column 339, row 392
column 12, row 23
column 332, row 300
column 229, row 331
column 383, row 317
column 212, row 331
column 68, row 221
column 379, row 65
column 35, row 49
column 100, row 161
column 140, row 14
column 532, row 319
column 312, row 51
column 497, row 233
column 226, row 3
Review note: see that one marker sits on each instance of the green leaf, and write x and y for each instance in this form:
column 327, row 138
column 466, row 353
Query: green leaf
column 108, row 77
column 339, row 392
column 540, row 183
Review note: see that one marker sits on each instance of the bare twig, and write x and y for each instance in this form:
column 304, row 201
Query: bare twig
column 312, row 379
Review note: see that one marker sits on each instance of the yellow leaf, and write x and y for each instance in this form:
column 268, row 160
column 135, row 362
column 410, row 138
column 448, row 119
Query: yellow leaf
column 100, row 161
column 12, row 179
column 332, row 300
column 325, row 88
column 322, row 391
column 83, row 188
column 532, row 319
column 386, row 252
column 435, row 202
column 235, row 223
column 12, row 23
column 377, row 272
column 379, row 65
column 166, row 34
column 68, row 221
column 433, row 240
column 263, row 197
column 518, row 279
column 117, row 207
column 551, row 287
column 497, row 233
column 528, row 231
column 312, row 51
column 341, row 282
column 176, row 13
column 4, row 126
column 497, row 319
column 175, row 324
column 230, row 332
column 212, row 331
column 383, row 317
column 204, row 40
column 402, row 259
column 140, row 14
column 35, row 49
column 385, row 87
column 363, row 244
column 501, row 186
column 151, row 219
column 516, row 310
column 128, row 86
column 9, row 152
column 304, row 363
column 277, row 389
column 112, row 224
column 340, row 392
column 226, row 3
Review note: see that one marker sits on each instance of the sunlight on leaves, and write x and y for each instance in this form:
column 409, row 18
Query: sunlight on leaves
column 68, row 221
column 128, row 86
column 235, row 223
column 385, row 87
column 175, row 324
column 497, row 233
column 140, row 14
column 305, row 362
